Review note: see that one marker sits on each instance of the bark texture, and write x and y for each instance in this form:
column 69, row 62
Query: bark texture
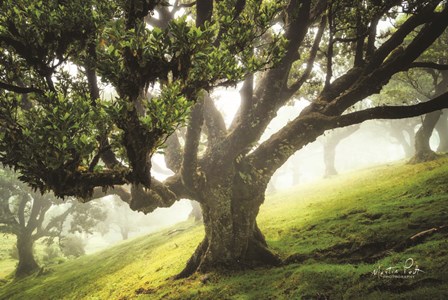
column 236, row 245
column 232, row 238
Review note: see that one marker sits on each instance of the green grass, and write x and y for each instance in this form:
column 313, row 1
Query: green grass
column 7, row 264
column 342, row 229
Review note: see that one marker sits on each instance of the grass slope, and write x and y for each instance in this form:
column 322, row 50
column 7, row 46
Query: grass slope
column 334, row 233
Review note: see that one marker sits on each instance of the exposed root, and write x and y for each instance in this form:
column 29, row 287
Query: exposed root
column 371, row 252
column 423, row 156
column 194, row 262
column 257, row 255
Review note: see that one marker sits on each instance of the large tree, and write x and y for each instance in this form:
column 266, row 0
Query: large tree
column 31, row 216
column 229, row 177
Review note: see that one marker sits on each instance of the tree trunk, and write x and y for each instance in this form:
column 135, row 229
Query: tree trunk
column 330, row 144
column 27, row 263
column 398, row 133
column 442, row 130
column 423, row 150
column 124, row 232
column 232, row 237
column 329, row 158
column 196, row 211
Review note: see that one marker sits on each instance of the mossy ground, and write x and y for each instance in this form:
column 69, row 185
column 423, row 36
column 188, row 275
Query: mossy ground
column 339, row 230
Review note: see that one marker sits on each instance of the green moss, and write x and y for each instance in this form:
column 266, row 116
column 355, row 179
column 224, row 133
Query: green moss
column 346, row 227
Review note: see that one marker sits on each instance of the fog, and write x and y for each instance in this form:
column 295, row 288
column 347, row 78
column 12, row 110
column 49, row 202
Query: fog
column 123, row 223
column 370, row 144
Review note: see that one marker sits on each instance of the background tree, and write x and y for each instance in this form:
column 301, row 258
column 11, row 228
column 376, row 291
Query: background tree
column 442, row 130
column 330, row 143
column 31, row 216
column 429, row 80
column 230, row 176
column 403, row 133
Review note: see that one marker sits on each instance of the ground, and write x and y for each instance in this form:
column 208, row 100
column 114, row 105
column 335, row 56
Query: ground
column 335, row 235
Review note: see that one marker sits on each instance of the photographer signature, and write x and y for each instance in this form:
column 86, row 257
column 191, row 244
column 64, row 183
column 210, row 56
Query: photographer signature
column 408, row 270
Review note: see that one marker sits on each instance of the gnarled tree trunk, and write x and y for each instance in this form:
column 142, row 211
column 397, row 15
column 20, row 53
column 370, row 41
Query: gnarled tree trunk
column 232, row 238
column 27, row 263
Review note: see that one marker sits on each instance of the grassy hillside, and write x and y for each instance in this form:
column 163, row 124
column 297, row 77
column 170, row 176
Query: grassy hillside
column 334, row 234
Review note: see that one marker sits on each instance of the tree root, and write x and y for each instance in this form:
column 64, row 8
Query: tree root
column 371, row 252
column 257, row 255
column 423, row 156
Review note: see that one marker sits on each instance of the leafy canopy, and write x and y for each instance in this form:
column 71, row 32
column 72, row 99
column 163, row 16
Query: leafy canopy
column 56, row 56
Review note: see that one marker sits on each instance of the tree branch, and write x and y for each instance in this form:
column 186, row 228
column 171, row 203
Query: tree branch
column 161, row 194
column 187, row 5
column 391, row 112
column 247, row 101
column 204, row 9
column 271, row 154
column 32, row 219
column 173, row 153
column 293, row 88
column 248, row 128
column 214, row 122
column 427, row 15
column 190, row 156
column 371, row 81
column 426, row 65
column 55, row 222
column 7, row 218
column 19, row 89
column 21, row 209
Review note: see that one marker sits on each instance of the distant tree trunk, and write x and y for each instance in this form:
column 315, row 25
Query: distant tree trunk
column 407, row 147
column 330, row 157
column 398, row 134
column 330, row 145
column 196, row 211
column 232, row 238
column 442, row 130
column 423, row 150
column 27, row 263
column 411, row 134
column 124, row 232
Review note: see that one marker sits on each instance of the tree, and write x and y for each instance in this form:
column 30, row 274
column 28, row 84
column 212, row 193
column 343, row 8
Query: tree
column 330, row 145
column 230, row 176
column 403, row 132
column 427, row 82
column 31, row 216
column 415, row 86
column 423, row 150
column 442, row 130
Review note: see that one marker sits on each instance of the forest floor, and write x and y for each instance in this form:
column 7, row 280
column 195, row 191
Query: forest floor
column 347, row 237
